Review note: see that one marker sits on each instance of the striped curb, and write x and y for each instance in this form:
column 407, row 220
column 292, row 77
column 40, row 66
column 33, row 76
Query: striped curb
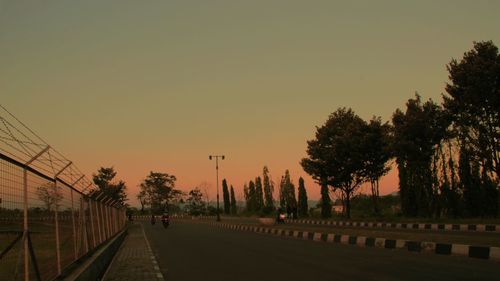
column 480, row 252
column 416, row 226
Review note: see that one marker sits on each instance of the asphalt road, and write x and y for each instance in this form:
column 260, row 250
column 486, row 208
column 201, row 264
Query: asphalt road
column 195, row 251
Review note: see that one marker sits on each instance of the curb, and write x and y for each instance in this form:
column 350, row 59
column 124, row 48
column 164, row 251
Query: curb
column 480, row 252
column 416, row 226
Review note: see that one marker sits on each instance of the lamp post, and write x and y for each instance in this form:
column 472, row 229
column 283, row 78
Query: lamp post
column 217, row 178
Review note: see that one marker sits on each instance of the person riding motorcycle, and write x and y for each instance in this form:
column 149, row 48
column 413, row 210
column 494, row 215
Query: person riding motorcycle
column 165, row 219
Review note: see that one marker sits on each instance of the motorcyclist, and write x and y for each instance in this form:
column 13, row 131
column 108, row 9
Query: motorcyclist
column 165, row 219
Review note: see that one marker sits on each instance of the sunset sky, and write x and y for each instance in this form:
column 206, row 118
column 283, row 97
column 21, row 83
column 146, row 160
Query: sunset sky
column 159, row 85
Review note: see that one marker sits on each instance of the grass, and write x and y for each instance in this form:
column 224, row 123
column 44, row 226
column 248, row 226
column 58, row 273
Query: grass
column 44, row 245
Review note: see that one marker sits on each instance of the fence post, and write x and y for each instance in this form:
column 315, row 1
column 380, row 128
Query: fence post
column 98, row 211
column 73, row 218
column 108, row 221
column 92, row 228
column 25, row 213
column 56, row 217
column 73, row 225
column 25, row 226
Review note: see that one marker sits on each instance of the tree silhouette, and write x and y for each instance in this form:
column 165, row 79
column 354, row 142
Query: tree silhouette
column 336, row 154
column 233, row 202
column 50, row 195
column 225, row 195
column 268, row 191
column 303, row 207
column 104, row 181
column 159, row 189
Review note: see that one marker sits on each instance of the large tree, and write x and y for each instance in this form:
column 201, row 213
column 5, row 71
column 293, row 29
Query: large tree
column 303, row 207
column 233, row 202
column 288, row 201
column 51, row 195
column 474, row 103
column 325, row 201
column 160, row 190
column 418, row 133
column 377, row 154
column 194, row 203
column 225, row 196
column 259, row 194
column 268, row 191
column 336, row 155
column 104, row 179
column 250, row 197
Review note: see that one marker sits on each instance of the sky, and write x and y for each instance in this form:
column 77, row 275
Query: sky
column 160, row 85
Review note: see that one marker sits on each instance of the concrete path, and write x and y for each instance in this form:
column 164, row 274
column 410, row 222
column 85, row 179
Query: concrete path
column 134, row 260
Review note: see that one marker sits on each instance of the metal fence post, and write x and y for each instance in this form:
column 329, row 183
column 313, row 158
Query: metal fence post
column 99, row 222
column 58, row 249
column 73, row 225
column 25, row 226
column 25, row 213
column 83, row 229
column 92, row 228
column 108, row 221
column 75, row 240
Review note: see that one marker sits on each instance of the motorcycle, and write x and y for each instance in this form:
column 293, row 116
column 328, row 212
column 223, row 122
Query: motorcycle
column 165, row 220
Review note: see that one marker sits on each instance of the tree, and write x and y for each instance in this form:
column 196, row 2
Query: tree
column 225, row 195
column 473, row 101
column 303, row 207
column 268, row 191
column 326, row 202
column 251, row 200
column 288, row 200
column 159, row 189
column 50, row 195
column 418, row 133
column 194, row 203
column 259, row 195
column 143, row 199
column 114, row 190
column 233, row 202
column 377, row 153
column 336, row 154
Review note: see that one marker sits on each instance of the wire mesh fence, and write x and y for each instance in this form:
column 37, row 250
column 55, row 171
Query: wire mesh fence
column 51, row 215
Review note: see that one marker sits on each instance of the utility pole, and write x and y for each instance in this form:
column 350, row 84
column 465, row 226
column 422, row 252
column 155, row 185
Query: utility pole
column 217, row 178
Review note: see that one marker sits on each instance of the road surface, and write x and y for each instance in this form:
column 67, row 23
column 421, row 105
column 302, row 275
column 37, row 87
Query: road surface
column 195, row 251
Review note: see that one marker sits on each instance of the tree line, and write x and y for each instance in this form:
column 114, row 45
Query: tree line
column 447, row 154
column 258, row 198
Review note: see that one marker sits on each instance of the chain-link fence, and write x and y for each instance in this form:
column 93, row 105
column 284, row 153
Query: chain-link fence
column 51, row 215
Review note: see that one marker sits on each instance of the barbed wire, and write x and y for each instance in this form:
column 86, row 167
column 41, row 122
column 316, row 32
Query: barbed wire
column 22, row 144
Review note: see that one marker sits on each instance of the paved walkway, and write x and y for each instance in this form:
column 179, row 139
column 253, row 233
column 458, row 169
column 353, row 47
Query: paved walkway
column 134, row 260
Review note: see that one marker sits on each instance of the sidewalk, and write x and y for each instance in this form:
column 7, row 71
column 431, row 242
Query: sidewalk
column 134, row 260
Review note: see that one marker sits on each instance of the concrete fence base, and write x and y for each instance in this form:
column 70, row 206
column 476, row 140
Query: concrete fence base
column 93, row 266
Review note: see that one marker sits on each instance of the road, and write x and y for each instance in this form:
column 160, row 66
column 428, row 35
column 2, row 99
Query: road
column 195, row 251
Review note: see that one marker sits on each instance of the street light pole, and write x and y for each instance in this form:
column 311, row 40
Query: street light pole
column 217, row 178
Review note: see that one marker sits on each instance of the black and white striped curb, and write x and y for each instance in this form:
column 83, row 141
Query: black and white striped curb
column 481, row 252
column 417, row 226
